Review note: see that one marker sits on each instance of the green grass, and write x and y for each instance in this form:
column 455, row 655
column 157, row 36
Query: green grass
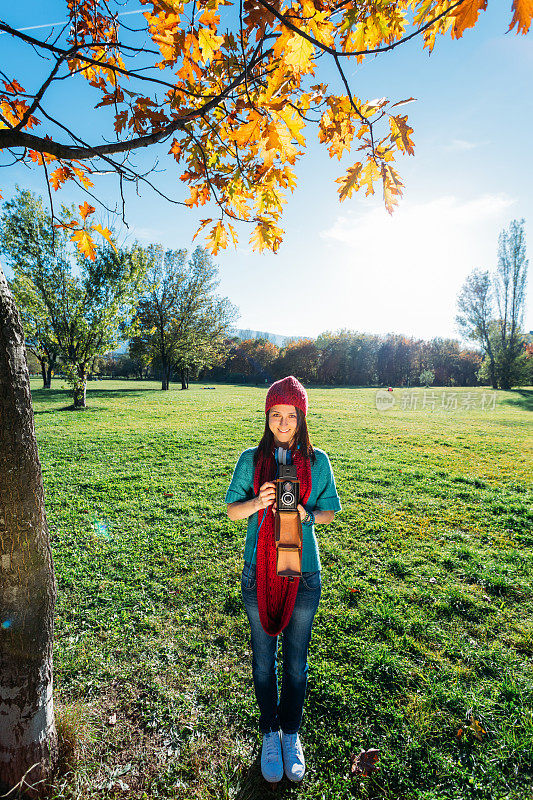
column 424, row 629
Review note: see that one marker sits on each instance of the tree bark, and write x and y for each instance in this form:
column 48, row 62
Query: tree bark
column 49, row 371
column 28, row 737
column 166, row 373
column 80, row 388
column 43, row 363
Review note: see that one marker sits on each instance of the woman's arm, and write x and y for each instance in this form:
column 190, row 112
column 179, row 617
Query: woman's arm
column 323, row 517
column 244, row 509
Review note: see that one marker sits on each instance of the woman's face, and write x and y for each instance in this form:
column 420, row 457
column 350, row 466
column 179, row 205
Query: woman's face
column 283, row 422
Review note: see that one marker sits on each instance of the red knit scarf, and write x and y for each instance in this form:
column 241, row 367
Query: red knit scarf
column 275, row 595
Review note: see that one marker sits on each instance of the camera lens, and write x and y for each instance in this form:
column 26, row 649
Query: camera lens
column 287, row 499
column 287, row 486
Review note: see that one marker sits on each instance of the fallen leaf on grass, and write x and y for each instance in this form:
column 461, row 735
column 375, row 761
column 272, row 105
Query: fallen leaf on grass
column 112, row 720
column 364, row 763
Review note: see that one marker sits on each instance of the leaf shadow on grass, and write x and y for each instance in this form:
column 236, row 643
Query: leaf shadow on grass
column 523, row 398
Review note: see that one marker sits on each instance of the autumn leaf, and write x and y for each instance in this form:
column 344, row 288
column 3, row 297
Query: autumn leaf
column 401, row 133
column 106, row 233
column 370, row 173
column 266, row 236
column 298, row 53
column 209, row 43
column 466, row 16
column 217, row 238
column 85, row 210
column 392, row 186
column 59, row 176
column 236, row 98
column 350, row 181
column 120, row 121
column 364, row 763
column 522, row 14
column 85, row 243
column 203, row 224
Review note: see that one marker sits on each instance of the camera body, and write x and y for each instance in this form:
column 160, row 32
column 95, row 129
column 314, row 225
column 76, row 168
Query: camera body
column 287, row 488
column 288, row 526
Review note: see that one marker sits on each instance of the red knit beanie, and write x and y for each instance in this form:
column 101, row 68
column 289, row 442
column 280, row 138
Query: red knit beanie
column 288, row 391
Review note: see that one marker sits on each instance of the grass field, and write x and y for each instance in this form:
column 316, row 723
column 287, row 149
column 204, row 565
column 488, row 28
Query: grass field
column 423, row 642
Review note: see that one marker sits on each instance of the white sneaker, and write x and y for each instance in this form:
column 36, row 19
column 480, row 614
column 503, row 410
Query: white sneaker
column 293, row 756
column 271, row 759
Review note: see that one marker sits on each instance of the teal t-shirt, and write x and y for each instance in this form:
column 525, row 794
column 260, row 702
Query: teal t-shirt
column 323, row 497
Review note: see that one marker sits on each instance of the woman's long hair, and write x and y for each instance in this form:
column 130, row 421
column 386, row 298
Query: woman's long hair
column 266, row 445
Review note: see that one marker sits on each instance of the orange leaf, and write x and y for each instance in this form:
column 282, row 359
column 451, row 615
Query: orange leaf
column 106, row 233
column 203, row 223
column 522, row 13
column 466, row 16
column 86, row 209
column 59, row 176
column 85, row 243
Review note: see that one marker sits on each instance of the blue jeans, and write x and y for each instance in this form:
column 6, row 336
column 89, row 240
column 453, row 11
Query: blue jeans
column 287, row 713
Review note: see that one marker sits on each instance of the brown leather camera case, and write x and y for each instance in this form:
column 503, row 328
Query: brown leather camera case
column 288, row 535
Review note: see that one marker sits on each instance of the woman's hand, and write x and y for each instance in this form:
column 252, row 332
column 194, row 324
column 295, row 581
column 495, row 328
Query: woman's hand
column 266, row 496
column 301, row 510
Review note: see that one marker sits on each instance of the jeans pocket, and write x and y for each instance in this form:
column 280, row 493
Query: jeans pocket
column 312, row 580
column 249, row 578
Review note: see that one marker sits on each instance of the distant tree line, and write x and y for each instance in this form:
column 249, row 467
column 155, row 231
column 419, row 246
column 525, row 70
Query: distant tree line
column 349, row 358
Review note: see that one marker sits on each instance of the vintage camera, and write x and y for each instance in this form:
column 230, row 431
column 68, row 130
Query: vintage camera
column 287, row 488
column 288, row 526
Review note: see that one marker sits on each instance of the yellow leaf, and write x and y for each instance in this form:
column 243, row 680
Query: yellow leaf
column 294, row 123
column 400, row 132
column 217, row 238
column 84, row 243
column 266, row 236
column 106, row 233
column 392, row 187
column 369, row 175
column 350, row 181
column 478, row 729
column 298, row 53
column 209, row 43
column 233, row 234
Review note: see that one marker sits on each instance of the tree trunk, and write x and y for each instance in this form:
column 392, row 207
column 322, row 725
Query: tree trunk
column 183, row 372
column 166, row 372
column 49, row 371
column 80, row 387
column 43, row 363
column 28, row 737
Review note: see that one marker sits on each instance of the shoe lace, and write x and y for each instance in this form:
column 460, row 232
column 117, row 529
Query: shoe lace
column 291, row 742
column 271, row 749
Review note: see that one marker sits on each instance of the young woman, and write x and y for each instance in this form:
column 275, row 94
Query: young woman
column 277, row 605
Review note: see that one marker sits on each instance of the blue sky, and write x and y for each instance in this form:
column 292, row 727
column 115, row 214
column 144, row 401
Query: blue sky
column 352, row 265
